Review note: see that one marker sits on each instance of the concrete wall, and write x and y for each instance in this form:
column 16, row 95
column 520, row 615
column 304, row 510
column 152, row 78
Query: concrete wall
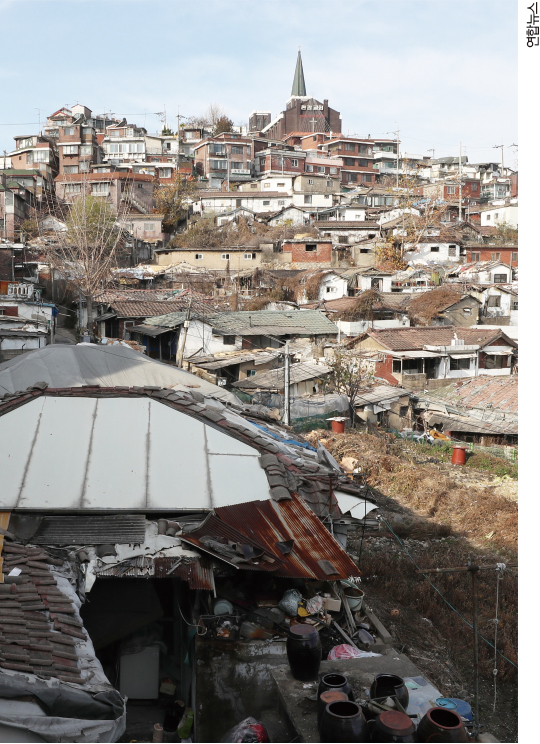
column 213, row 260
column 233, row 681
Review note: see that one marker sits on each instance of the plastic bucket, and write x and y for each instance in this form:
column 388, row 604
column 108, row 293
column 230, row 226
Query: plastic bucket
column 338, row 427
column 354, row 596
column 458, row 455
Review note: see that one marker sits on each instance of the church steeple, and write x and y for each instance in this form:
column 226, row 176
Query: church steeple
column 299, row 84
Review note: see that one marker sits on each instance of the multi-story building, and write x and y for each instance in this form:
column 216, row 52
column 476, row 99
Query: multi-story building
column 357, row 156
column 227, row 157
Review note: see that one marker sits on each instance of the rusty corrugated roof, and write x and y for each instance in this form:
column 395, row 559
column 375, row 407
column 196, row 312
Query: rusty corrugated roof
column 199, row 574
column 264, row 524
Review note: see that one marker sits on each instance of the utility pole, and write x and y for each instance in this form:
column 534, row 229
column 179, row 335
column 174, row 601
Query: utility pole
column 473, row 570
column 287, row 402
column 460, row 217
column 496, row 147
column 180, row 355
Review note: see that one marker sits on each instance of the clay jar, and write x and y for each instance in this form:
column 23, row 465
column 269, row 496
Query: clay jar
column 343, row 721
column 441, row 725
column 392, row 725
column 386, row 685
column 335, row 681
column 325, row 698
column 304, row 651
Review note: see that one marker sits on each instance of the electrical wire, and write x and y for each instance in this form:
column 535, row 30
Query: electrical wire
column 442, row 596
column 192, row 625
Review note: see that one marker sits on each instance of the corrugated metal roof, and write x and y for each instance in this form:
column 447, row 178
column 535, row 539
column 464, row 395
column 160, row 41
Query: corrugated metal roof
column 149, row 330
column 274, row 379
column 472, row 425
column 306, row 322
column 264, row 524
column 85, row 529
column 122, row 453
column 199, row 574
column 379, row 394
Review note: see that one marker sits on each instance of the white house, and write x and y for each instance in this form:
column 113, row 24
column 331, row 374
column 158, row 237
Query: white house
column 432, row 250
column 486, row 272
column 224, row 201
column 497, row 214
column 312, row 200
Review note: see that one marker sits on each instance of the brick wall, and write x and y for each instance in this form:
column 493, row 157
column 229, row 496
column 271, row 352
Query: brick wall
column 322, row 254
column 384, row 369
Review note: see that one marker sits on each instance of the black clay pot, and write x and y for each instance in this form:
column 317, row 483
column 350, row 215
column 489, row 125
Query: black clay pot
column 325, row 698
column 392, row 725
column 441, row 725
column 304, row 651
column 386, row 685
column 335, row 681
column 343, row 721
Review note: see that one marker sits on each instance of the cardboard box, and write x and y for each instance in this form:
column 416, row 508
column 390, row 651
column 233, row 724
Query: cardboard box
column 332, row 605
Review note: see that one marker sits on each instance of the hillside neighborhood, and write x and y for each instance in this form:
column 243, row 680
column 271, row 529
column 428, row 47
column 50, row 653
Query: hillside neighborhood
column 248, row 372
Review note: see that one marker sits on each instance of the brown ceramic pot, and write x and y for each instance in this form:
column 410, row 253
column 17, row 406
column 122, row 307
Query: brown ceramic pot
column 441, row 725
column 343, row 721
column 325, row 698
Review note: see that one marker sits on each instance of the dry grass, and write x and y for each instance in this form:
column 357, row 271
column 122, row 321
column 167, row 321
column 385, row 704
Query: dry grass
column 444, row 523
column 426, row 305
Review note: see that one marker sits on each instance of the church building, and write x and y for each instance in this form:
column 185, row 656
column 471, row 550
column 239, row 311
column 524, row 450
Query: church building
column 302, row 113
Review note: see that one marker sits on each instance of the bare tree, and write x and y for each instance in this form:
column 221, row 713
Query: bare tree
column 173, row 199
column 346, row 376
column 87, row 246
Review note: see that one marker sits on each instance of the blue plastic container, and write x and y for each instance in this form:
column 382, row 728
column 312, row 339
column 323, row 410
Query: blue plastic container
column 463, row 708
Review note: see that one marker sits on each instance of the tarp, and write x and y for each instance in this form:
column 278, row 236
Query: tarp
column 96, row 364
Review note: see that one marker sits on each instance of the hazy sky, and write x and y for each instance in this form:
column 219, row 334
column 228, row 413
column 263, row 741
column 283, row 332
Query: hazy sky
column 440, row 70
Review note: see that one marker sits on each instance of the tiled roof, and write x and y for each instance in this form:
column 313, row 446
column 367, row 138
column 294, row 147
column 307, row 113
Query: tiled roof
column 138, row 309
column 341, row 224
column 404, row 339
column 244, row 194
column 479, row 392
column 39, row 626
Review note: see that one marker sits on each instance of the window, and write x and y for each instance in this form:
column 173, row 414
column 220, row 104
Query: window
column 350, row 146
column 252, row 185
column 251, row 372
column 474, row 187
column 249, row 256
column 494, row 301
column 500, row 278
column 294, row 162
column 475, row 257
column 495, row 256
column 41, row 156
column 514, row 306
column 496, row 215
column 218, row 165
column 451, row 250
column 467, row 311
column 320, row 169
column 281, row 184
column 85, row 150
column 84, row 166
column 199, row 256
column 396, row 365
column 236, row 165
column 350, row 176
column 267, row 185
column 225, row 256
column 69, row 131
column 70, row 149
column 216, row 150
column 328, row 184
column 71, row 169
column 488, row 217
column 367, row 178
column 72, row 188
column 266, row 202
column 460, row 364
column 311, row 247
column 348, row 161
column 149, row 226
column 331, row 290
column 514, row 257
column 333, row 171
column 434, row 249
column 307, row 199
column 450, row 189
column 229, row 340
column 343, row 239
column 310, row 181
column 281, row 202
column 237, row 150
column 139, row 185
column 309, row 168
column 248, row 149
column 100, row 188
column 363, row 163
